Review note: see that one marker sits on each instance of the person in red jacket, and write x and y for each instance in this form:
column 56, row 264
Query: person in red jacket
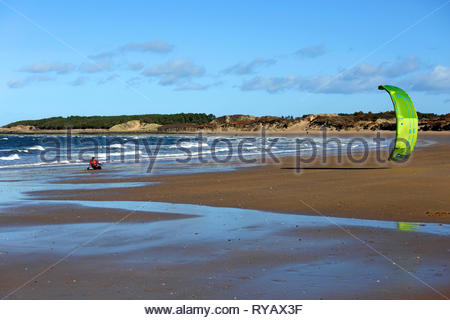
column 94, row 164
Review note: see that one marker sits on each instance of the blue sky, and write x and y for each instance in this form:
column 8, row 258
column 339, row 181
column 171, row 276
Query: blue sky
column 61, row 58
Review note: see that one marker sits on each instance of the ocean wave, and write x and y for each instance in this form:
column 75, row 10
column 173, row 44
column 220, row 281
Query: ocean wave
column 117, row 146
column 14, row 150
column 126, row 153
column 38, row 147
column 63, row 163
column 4, row 139
column 102, row 156
column 188, row 145
column 11, row 157
column 223, row 149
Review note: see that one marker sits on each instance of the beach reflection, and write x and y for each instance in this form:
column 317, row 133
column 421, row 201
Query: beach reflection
column 408, row 226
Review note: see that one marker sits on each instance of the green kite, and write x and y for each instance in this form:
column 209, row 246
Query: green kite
column 407, row 123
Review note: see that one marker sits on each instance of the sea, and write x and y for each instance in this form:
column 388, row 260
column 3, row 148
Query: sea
column 28, row 151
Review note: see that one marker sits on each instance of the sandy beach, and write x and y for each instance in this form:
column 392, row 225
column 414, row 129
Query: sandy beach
column 414, row 191
column 375, row 231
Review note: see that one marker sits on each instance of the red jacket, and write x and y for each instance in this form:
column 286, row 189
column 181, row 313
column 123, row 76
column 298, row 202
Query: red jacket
column 93, row 163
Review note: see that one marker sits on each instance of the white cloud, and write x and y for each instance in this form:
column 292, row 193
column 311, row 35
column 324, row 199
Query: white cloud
column 47, row 67
column 436, row 81
column 107, row 79
column 248, row 68
column 134, row 81
column 340, row 84
column 363, row 77
column 398, row 69
column 311, row 52
column 174, row 71
column 319, row 84
column 402, row 67
column 136, row 66
column 150, row 46
column 20, row 83
column 78, row 81
column 192, row 86
column 95, row 67
column 103, row 55
column 270, row 84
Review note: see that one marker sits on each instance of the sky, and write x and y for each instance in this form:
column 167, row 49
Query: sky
column 62, row 58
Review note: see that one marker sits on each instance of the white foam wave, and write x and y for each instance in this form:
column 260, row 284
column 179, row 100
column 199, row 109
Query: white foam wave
column 222, row 149
column 44, row 164
column 102, row 156
column 38, row 147
column 127, row 153
column 117, row 146
column 188, row 145
column 14, row 150
column 10, row 157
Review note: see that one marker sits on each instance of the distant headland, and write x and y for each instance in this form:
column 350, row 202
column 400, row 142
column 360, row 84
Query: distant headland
column 209, row 123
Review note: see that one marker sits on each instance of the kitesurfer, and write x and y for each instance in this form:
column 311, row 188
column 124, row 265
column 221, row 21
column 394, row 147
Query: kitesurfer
column 94, row 164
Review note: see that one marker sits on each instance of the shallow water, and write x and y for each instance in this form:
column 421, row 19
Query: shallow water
column 297, row 256
column 211, row 224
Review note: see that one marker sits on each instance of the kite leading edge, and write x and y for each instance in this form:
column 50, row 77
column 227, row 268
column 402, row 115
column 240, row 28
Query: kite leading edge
column 407, row 123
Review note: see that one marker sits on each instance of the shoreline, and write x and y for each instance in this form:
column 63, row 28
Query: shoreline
column 317, row 132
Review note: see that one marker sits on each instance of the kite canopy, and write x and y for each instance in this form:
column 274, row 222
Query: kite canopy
column 407, row 123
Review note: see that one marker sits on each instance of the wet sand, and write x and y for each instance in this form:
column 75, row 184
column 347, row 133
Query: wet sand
column 418, row 190
column 225, row 253
column 49, row 214
column 207, row 247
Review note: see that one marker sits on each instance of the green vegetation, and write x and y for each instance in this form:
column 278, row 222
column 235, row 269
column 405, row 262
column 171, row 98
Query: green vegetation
column 421, row 115
column 384, row 115
column 200, row 120
column 369, row 116
column 106, row 122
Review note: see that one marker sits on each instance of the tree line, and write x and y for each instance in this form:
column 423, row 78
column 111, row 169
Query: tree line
column 106, row 122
